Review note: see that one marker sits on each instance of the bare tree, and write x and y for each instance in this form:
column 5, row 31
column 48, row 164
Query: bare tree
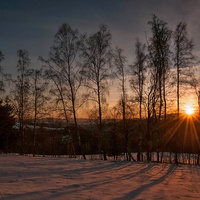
column 138, row 70
column 63, row 63
column 159, row 49
column 97, row 57
column 183, row 58
column 119, row 62
column 22, row 92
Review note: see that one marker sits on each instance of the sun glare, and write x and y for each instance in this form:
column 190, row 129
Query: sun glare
column 189, row 110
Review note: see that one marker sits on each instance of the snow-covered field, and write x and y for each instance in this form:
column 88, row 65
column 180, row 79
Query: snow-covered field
column 47, row 178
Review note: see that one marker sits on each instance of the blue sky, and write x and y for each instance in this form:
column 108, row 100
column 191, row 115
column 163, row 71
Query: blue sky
column 32, row 24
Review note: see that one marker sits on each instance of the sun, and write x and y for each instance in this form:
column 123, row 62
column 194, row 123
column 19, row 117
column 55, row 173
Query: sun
column 189, row 110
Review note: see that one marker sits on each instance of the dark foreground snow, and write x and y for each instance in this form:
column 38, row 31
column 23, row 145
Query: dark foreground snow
column 47, row 178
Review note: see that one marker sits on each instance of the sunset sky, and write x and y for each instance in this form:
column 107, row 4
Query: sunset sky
column 32, row 24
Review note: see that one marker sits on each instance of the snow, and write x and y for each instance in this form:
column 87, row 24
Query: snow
column 31, row 178
column 17, row 125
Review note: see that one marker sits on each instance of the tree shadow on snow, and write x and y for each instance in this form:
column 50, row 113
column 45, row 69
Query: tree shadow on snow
column 133, row 194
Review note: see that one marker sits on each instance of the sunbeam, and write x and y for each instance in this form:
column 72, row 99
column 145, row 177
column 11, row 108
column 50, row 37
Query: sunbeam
column 195, row 134
column 173, row 130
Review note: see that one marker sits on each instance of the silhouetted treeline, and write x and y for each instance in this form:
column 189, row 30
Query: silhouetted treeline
column 57, row 141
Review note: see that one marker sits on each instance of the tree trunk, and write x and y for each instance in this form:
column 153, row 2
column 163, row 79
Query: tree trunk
column 198, row 158
column 35, row 116
column 76, row 125
column 34, row 131
column 100, row 124
column 148, row 132
column 160, row 96
column 177, row 133
column 158, row 157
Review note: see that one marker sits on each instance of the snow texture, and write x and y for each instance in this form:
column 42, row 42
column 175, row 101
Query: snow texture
column 31, row 178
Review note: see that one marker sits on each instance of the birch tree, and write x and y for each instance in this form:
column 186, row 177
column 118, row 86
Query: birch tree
column 138, row 70
column 22, row 93
column 63, row 64
column 119, row 62
column 159, row 50
column 96, row 53
column 183, row 58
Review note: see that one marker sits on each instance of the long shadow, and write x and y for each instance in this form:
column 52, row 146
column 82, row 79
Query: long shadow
column 28, row 172
column 133, row 194
column 76, row 187
column 94, row 184
column 143, row 170
column 98, row 168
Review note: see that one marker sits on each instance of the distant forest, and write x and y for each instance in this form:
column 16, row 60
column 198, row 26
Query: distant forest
column 78, row 71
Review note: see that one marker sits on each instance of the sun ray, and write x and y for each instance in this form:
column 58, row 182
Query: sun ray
column 195, row 134
column 173, row 130
column 196, row 116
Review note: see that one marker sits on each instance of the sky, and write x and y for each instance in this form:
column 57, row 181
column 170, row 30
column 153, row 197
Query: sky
column 32, row 24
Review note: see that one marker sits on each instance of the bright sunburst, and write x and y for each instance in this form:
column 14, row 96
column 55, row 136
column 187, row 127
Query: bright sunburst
column 189, row 110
